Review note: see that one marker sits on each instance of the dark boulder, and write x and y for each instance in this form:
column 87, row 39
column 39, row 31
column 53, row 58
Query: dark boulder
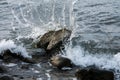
column 9, row 56
column 94, row 74
column 60, row 62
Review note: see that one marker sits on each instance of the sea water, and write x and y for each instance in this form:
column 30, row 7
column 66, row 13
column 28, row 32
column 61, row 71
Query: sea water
column 89, row 20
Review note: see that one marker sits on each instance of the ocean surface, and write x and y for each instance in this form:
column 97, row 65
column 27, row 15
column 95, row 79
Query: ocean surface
column 94, row 23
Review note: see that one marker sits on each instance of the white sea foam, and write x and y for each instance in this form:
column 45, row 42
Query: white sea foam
column 36, row 71
column 101, row 60
column 39, row 79
column 10, row 64
column 41, row 30
column 48, row 75
column 38, row 65
column 36, row 31
column 9, row 44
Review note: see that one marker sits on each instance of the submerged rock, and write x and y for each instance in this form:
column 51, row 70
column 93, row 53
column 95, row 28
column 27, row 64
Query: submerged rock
column 60, row 62
column 53, row 40
column 94, row 74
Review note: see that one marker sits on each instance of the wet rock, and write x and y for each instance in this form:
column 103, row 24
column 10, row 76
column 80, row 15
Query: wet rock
column 6, row 78
column 94, row 74
column 29, row 60
column 8, row 56
column 59, row 36
column 53, row 40
column 3, row 69
column 45, row 39
column 60, row 62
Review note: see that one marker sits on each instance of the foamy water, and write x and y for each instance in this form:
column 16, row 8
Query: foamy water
column 10, row 45
column 10, row 65
column 103, row 61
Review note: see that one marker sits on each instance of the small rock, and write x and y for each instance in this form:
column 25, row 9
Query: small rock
column 94, row 74
column 60, row 62
column 6, row 78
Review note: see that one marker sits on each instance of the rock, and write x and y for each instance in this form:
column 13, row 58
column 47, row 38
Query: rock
column 3, row 69
column 60, row 62
column 58, row 37
column 53, row 40
column 6, row 78
column 45, row 39
column 29, row 60
column 94, row 74
column 8, row 56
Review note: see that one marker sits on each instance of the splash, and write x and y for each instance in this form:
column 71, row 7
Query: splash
column 9, row 44
column 104, row 61
column 41, row 16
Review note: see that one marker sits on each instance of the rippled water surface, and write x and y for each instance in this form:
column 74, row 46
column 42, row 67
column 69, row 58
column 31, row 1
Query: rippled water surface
column 99, row 20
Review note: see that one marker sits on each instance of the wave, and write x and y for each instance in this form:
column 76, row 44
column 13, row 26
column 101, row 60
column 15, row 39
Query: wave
column 10, row 45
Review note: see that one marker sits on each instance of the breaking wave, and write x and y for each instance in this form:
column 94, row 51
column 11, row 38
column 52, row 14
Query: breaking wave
column 10, row 45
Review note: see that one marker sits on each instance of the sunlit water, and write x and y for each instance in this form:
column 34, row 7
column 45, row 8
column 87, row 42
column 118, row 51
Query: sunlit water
column 96, row 20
